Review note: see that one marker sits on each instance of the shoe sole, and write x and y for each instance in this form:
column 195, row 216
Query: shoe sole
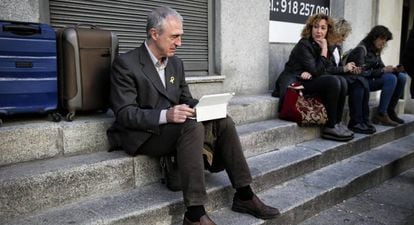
column 376, row 121
column 241, row 210
column 385, row 124
column 336, row 138
column 399, row 122
column 362, row 131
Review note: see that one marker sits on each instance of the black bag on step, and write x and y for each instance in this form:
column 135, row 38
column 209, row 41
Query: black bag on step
column 170, row 173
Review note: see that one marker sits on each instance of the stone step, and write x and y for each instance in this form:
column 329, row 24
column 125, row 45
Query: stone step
column 305, row 196
column 30, row 186
column 263, row 136
column 253, row 108
column 156, row 204
column 387, row 203
column 34, row 139
column 29, row 140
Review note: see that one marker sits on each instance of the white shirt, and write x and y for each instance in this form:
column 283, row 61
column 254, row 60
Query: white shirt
column 160, row 67
column 336, row 56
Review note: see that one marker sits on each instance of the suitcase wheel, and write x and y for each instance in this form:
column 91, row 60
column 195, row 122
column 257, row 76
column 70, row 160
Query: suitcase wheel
column 70, row 116
column 55, row 117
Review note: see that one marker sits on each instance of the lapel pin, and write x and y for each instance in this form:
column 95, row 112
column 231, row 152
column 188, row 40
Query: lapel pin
column 172, row 78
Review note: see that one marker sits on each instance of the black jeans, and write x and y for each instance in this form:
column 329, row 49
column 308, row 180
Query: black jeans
column 358, row 103
column 332, row 90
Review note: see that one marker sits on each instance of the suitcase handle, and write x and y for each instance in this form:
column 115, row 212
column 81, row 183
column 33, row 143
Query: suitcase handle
column 21, row 29
column 92, row 26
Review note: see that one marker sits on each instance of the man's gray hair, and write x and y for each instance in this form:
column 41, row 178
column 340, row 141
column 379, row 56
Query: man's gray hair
column 156, row 18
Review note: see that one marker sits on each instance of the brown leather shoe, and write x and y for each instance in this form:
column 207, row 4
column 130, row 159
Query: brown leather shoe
column 383, row 119
column 255, row 207
column 204, row 220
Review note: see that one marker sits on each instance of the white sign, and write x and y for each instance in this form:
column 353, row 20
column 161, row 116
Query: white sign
column 287, row 17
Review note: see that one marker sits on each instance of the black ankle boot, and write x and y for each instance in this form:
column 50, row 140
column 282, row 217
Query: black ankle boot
column 394, row 117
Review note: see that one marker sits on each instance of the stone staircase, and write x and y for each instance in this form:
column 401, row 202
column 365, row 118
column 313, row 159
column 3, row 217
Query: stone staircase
column 61, row 173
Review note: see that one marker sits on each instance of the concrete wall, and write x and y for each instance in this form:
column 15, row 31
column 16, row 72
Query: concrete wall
column 362, row 16
column 242, row 46
column 25, row 10
column 390, row 15
column 241, row 39
column 243, row 53
column 278, row 56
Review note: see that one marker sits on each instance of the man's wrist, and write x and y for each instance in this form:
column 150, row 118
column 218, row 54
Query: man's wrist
column 163, row 116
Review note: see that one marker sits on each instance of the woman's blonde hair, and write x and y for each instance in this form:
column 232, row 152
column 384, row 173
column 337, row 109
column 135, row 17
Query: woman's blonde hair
column 343, row 27
column 331, row 35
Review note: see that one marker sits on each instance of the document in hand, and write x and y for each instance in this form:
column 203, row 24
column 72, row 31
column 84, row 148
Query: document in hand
column 212, row 107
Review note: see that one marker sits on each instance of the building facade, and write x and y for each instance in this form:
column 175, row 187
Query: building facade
column 226, row 46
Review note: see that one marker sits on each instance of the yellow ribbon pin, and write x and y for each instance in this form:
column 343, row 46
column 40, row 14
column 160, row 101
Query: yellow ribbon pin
column 172, row 80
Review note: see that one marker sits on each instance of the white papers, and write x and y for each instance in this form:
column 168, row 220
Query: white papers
column 211, row 107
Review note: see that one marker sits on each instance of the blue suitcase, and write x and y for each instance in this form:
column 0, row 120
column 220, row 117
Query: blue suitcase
column 28, row 69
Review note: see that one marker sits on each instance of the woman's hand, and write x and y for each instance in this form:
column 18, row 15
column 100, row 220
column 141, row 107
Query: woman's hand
column 349, row 67
column 352, row 68
column 388, row 69
column 305, row 76
column 357, row 70
column 323, row 43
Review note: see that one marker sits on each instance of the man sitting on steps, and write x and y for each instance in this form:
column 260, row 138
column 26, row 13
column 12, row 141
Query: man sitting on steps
column 152, row 105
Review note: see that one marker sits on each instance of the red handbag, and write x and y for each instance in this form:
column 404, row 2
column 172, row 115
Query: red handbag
column 305, row 111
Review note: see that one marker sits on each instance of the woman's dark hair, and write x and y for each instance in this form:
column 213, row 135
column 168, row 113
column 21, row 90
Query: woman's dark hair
column 378, row 31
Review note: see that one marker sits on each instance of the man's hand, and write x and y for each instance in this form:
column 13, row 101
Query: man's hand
column 179, row 113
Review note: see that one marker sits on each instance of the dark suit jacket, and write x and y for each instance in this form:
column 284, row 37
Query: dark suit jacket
column 137, row 97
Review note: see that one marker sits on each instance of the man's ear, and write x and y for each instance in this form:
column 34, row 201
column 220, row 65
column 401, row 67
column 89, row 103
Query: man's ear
column 154, row 33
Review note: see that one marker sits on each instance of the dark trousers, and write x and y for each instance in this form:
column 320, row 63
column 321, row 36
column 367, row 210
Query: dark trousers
column 187, row 139
column 333, row 91
column 358, row 103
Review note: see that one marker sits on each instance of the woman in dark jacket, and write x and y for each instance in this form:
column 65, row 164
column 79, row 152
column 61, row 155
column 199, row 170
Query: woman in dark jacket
column 358, row 88
column 388, row 79
column 307, row 63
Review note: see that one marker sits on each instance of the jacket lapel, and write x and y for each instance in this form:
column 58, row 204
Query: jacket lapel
column 171, row 83
column 150, row 72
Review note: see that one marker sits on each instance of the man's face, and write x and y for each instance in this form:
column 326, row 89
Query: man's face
column 167, row 41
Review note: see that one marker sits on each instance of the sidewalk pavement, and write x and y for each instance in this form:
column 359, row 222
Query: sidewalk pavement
column 391, row 203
